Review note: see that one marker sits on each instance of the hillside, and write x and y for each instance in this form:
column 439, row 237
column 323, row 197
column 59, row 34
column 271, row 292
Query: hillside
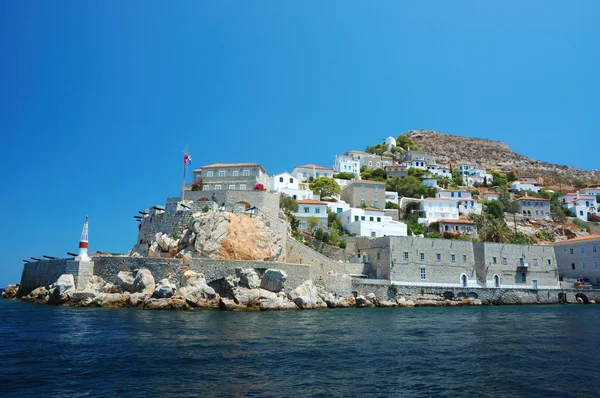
column 447, row 148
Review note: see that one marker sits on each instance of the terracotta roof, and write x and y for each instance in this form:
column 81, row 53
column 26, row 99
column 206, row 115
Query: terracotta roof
column 310, row 202
column 447, row 220
column 311, row 166
column 217, row 165
column 455, row 199
column 532, row 198
column 586, row 237
column 372, row 209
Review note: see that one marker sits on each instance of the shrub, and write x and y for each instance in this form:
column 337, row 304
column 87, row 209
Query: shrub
column 582, row 225
column 435, row 235
column 318, row 234
column 342, row 244
column 197, row 185
column 594, row 217
column 545, row 235
column 325, row 238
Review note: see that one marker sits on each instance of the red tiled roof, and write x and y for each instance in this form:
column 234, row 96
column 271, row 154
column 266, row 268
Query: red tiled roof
column 532, row 198
column 447, row 220
column 580, row 238
column 311, row 166
column 310, row 202
column 217, row 165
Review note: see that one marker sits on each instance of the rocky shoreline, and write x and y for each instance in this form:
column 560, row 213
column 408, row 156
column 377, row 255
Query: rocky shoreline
column 244, row 291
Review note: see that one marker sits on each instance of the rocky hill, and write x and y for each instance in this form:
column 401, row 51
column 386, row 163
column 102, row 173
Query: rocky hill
column 447, row 148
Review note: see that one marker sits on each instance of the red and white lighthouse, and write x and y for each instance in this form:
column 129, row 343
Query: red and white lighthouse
column 83, row 243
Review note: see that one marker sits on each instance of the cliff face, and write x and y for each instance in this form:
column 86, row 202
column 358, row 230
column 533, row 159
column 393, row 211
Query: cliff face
column 447, row 148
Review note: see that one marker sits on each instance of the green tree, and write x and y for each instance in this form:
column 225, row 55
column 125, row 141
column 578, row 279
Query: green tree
column 457, row 179
column 377, row 149
column 288, row 203
column 499, row 179
column 493, row 208
column 391, row 205
column 325, row 187
column 493, row 230
column 344, row 176
column 405, row 142
column 311, row 223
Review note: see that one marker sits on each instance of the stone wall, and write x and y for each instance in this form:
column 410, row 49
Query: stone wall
column 41, row 273
column 170, row 223
column 299, row 253
column 265, row 201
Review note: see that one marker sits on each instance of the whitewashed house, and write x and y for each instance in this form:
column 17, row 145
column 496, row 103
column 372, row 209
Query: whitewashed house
column 590, row 191
column 478, row 176
column 304, row 173
column 430, row 182
column 287, row 184
column 465, row 201
column 371, row 222
column 347, row 164
column 524, row 186
column 391, row 196
column 579, row 205
column 491, row 196
column 312, row 208
column 337, row 207
column 435, row 209
column 464, row 168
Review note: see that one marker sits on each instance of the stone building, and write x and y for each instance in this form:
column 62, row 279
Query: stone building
column 370, row 160
column 365, row 193
column 536, row 208
column 231, row 176
column 412, row 261
column 463, row 227
column 396, row 170
column 308, row 171
column 579, row 258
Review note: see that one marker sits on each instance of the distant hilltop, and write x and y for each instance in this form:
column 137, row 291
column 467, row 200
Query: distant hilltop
column 448, row 148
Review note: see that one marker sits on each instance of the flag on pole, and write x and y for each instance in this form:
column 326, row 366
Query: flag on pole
column 187, row 159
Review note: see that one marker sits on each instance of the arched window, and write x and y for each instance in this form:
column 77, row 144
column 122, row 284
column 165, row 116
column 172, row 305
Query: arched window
column 496, row 281
column 463, row 280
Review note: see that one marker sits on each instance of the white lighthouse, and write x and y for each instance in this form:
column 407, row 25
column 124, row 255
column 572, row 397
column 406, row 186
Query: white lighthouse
column 390, row 142
column 83, row 243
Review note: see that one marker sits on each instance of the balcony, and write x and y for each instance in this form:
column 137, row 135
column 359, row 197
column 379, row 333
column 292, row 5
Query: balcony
column 522, row 267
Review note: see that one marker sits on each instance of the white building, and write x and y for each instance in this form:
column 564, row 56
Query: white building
column 371, row 222
column 391, row 196
column 579, row 205
column 590, row 191
column 477, row 176
column 303, row 173
column 524, row 186
column 347, row 164
column 454, row 194
column 288, row 184
column 390, row 142
column 464, row 168
column 337, row 207
column 312, row 208
column 435, row 209
column 491, row 196
column 430, row 182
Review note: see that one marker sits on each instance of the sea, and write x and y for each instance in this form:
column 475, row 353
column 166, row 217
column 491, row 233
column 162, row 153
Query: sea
column 491, row 351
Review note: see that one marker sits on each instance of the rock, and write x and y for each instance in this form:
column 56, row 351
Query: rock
column 306, row 296
column 158, row 304
column 249, row 278
column 154, row 250
column 387, row 303
column 144, row 281
column 165, row 242
column 65, row 284
column 428, row 303
column 39, row 295
column 125, row 280
column 186, row 255
column 164, row 289
column 362, row 302
column 409, row 303
column 227, row 304
column 10, row 292
column 111, row 300
column 82, row 299
column 273, row 280
column 196, row 291
column 95, row 285
column 277, row 304
column 402, row 302
column 372, row 298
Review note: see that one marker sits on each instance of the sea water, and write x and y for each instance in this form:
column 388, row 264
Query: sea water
column 504, row 351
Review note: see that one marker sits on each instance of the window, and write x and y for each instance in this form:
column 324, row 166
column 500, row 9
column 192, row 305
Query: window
column 362, row 188
column 535, row 262
column 523, row 277
column 302, row 224
column 422, row 255
column 594, row 248
column 221, row 173
column 378, row 256
column 494, row 260
column 291, row 180
column 583, row 265
column 376, row 189
column 370, row 163
column 209, row 173
column 355, row 218
column 453, row 258
column 423, row 273
column 438, row 256
column 280, row 179
column 370, row 218
column 307, row 209
column 521, row 261
column 206, row 187
column 242, row 187
column 464, row 258
column 596, row 265
column 378, row 219
column 504, row 260
column 218, row 187
column 582, row 250
column 246, row 173
column 232, row 186
column 572, row 265
column 549, row 262
column 317, row 210
column 362, row 218
column 235, row 173
column 406, row 255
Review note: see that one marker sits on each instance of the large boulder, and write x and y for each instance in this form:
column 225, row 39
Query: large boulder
column 64, row 284
column 164, row 289
column 96, row 285
column 273, row 280
column 249, row 279
column 196, row 291
column 144, row 281
column 39, row 295
column 125, row 280
column 10, row 292
column 306, row 296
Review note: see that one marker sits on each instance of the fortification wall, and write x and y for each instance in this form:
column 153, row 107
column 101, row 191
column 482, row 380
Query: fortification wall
column 265, row 201
column 45, row 273
column 299, row 253
column 170, row 223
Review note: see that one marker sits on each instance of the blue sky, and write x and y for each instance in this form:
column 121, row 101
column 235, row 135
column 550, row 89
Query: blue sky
column 99, row 98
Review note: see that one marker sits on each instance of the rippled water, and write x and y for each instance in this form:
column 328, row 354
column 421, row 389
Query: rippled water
column 532, row 351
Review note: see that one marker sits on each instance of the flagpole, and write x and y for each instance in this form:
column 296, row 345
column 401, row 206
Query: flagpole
column 184, row 169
